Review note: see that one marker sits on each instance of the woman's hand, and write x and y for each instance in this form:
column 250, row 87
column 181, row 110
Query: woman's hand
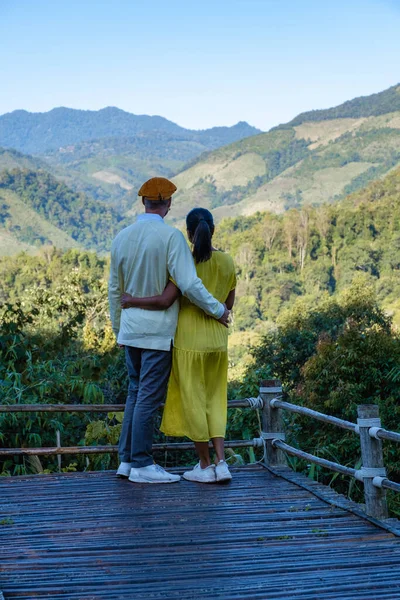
column 126, row 300
column 226, row 317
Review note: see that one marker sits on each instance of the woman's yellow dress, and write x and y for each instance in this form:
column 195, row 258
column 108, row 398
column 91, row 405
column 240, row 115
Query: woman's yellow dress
column 196, row 404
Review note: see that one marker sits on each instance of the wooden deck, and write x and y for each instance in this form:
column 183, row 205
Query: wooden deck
column 91, row 536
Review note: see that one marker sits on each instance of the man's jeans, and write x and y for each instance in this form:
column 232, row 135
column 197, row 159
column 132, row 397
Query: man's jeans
column 148, row 372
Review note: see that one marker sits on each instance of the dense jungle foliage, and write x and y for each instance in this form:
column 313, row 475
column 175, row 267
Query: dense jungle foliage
column 316, row 251
column 318, row 293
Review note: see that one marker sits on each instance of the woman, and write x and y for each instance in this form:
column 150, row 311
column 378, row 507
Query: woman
column 196, row 405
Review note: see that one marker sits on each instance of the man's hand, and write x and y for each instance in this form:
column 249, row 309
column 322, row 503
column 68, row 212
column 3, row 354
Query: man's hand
column 126, row 300
column 225, row 317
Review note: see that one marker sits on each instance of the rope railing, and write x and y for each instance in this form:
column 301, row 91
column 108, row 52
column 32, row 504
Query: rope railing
column 368, row 427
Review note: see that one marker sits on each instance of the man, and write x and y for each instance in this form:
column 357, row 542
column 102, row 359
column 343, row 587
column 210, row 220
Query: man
column 143, row 257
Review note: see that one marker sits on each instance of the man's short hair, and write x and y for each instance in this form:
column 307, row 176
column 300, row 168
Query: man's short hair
column 156, row 203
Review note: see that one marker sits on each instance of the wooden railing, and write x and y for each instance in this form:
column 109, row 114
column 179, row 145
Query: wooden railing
column 372, row 473
column 107, row 408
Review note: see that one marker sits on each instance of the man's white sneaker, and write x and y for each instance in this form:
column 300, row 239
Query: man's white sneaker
column 124, row 469
column 222, row 472
column 152, row 474
column 206, row 475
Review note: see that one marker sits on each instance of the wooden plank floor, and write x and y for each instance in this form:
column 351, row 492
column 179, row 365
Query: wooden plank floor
column 92, row 536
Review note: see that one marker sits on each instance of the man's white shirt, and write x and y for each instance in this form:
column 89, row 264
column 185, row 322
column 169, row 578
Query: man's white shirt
column 143, row 258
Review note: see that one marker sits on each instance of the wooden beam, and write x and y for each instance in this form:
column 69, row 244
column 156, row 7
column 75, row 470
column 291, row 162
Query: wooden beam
column 390, row 485
column 328, row 464
column 308, row 412
column 20, row 408
column 392, row 436
column 112, row 449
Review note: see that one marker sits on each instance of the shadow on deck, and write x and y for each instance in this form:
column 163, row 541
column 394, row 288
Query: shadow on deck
column 92, row 536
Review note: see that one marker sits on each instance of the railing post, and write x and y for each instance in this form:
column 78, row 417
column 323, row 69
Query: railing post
column 372, row 461
column 272, row 422
column 58, row 443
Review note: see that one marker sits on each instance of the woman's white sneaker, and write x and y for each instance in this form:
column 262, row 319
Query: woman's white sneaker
column 152, row 474
column 200, row 475
column 124, row 469
column 222, row 472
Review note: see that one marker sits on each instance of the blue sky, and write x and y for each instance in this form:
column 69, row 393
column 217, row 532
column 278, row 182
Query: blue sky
column 199, row 63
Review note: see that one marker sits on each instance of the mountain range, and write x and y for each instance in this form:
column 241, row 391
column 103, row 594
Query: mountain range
column 37, row 133
column 109, row 152
column 79, row 184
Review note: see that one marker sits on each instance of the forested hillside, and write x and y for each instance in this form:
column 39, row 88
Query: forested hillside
column 36, row 209
column 318, row 157
column 311, row 252
column 316, row 251
column 12, row 159
column 365, row 106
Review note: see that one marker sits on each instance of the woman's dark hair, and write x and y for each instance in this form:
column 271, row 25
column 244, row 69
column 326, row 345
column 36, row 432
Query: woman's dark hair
column 200, row 226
